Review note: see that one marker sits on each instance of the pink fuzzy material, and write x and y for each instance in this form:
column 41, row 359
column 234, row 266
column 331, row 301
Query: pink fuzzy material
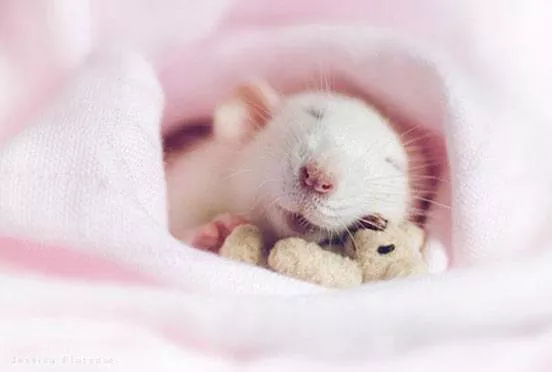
column 84, row 175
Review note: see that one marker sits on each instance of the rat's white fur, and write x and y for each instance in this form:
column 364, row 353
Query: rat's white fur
column 196, row 185
column 350, row 140
column 259, row 178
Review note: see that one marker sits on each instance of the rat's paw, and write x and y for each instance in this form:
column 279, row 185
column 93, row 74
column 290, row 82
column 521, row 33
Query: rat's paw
column 212, row 235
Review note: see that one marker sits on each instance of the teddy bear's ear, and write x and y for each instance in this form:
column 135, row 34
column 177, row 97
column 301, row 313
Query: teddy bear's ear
column 416, row 235
column 246, row 111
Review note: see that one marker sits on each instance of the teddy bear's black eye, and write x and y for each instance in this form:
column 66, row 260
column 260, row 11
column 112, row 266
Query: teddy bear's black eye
column 386, row 249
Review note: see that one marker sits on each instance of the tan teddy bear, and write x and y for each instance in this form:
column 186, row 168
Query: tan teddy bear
column 372, row 254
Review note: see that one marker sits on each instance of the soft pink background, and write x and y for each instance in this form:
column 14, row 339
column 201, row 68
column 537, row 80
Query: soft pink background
column 197, row 49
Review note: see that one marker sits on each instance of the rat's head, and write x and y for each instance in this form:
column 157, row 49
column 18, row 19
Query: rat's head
column 317, row 163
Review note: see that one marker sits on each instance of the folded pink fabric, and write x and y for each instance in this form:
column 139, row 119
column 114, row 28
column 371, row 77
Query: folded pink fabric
column 85, row 173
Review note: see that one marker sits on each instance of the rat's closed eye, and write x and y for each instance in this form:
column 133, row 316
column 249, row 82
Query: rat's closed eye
column 398, row 165
column 315, row 112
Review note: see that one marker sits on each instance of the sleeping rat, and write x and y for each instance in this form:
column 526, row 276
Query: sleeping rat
column 312, row 164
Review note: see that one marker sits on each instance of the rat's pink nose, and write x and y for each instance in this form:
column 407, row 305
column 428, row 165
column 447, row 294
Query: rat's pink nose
column 314, row 178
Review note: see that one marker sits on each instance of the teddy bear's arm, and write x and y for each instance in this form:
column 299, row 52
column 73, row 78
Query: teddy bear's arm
column 405, row 267
column 296, row 258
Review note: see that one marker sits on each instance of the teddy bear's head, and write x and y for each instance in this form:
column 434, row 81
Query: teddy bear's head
column 391, row 250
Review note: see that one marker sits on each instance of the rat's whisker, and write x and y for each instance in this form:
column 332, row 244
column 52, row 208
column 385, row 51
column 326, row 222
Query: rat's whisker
column 414, row 140
column 259, row 197
column 387, row 194
column 238, row 172
column 275, row 201
column 409, row 131
column 382, row 145
column 323, row 74
column 424, row 166
column 412, row 177
column 351, row 237
column 387, row 189
column 297, row 130
column 329, row 233
column 363, row 223
column 430, row 201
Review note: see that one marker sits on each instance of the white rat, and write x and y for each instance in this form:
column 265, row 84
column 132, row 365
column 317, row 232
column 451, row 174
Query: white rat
column 313, row 165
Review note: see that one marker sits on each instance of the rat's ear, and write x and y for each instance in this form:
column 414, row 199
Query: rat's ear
column 246, row 111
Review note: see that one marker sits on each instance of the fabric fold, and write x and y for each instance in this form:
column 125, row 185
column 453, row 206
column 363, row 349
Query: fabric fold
column 82, row 187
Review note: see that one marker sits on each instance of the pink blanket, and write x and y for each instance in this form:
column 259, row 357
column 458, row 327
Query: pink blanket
column 91, row 278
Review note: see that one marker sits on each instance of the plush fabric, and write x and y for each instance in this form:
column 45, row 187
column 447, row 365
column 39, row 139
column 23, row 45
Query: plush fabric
column 89, row 270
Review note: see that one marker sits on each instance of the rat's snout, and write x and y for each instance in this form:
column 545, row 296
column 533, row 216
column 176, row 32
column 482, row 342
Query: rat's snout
column 314, row 178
